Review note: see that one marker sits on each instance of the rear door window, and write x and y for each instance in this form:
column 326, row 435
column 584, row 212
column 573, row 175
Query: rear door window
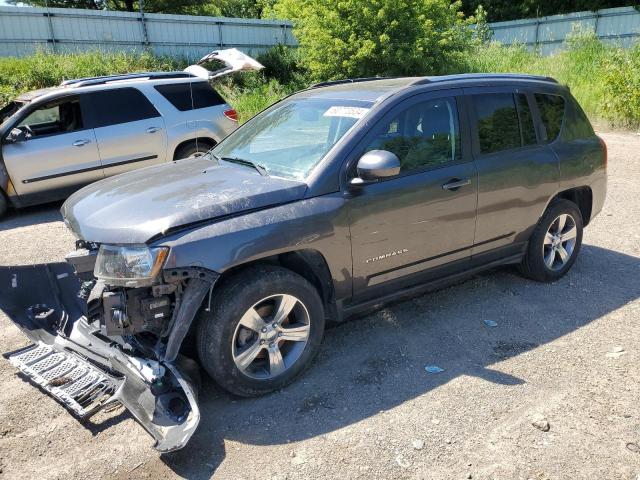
column 185, row 96
column 497, row 122
column 120, row 105
column 552, row 112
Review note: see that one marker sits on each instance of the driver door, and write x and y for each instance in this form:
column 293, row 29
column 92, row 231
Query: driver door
column 424, row 217
column 58, row 152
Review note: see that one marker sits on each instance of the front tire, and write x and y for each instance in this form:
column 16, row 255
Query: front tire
column 264, row 329
column 555, row 243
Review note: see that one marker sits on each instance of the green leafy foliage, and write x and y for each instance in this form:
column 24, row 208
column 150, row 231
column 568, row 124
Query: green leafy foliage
column 359, row 38
column 501, row 10
column 226, row 8
column 621, row 84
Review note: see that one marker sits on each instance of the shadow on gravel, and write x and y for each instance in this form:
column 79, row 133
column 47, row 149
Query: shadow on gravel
column 377, row 362
column 25, row 217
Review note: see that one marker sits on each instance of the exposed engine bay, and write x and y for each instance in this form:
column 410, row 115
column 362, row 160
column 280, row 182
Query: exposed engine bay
column 96, row 344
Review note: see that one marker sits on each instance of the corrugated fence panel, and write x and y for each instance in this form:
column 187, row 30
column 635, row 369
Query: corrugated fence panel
column 617, row 25
column 24, row 30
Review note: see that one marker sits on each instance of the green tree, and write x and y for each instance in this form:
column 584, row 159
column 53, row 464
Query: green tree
column 500, row 10
column 360, row 38
column 227, row 8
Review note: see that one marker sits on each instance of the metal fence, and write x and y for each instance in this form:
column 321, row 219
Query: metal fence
column 23, row 30
column 621, row 25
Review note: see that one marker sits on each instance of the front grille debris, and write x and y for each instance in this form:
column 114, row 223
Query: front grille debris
column 74, row 382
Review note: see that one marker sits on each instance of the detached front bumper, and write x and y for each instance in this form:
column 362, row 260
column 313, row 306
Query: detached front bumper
column 87, row 371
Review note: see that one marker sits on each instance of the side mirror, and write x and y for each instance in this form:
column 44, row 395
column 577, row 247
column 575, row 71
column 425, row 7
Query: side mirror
column 376, row 165
column 16, row 135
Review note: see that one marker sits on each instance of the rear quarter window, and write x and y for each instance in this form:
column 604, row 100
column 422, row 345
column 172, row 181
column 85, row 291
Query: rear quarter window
column 576, row 124
column 185, row 96
column 552, row 113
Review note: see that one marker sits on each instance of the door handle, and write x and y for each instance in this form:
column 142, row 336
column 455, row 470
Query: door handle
column 81, row 143
column 153, row 129
column 456, row 183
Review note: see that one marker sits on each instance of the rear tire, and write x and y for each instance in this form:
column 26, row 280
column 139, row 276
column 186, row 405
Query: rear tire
column 264, row 329
column 192, row 149
column 555, row 243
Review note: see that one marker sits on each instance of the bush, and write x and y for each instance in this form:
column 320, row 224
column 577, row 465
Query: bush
column 249, row 100
column 282, row 63
column 621, row 73
column 360, row 38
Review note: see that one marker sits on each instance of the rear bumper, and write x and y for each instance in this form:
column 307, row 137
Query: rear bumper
column 87, row 371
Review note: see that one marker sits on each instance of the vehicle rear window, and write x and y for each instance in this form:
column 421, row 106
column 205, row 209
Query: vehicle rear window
column 120, row 105
column 180, row 95
column 552, row 112
column 527, row 128
column 497, row 126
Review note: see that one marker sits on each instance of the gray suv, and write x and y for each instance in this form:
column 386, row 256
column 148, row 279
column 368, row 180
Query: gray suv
column 332, row 201
column 56, row 140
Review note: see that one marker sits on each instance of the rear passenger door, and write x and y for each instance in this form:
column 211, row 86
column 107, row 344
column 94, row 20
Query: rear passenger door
column 130, row 132
column 517, row 171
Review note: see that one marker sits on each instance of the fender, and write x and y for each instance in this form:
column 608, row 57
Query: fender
column 318, row 223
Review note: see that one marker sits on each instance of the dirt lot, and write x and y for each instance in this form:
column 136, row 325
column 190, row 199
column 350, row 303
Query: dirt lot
column 566, row 353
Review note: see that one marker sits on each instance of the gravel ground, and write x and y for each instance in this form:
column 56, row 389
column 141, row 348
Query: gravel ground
column 551, row 392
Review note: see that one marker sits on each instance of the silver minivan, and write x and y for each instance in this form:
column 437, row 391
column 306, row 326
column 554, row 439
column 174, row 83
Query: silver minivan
column 56, row 140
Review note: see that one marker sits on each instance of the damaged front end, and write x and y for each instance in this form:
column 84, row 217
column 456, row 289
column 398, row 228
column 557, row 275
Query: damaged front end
column 96, row 344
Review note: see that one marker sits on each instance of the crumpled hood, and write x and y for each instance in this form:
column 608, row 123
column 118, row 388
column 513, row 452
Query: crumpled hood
column 136, row 206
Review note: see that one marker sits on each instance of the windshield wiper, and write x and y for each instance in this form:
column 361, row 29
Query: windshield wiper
column 241, row 161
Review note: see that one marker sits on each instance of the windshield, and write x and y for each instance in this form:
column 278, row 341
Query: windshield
column 8, row 110
column 291, row 138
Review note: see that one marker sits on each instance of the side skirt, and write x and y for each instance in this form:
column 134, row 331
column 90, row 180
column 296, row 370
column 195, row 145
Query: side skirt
column 350, row 310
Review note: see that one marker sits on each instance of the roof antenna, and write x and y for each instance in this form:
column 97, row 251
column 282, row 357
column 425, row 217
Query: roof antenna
column 193, row 108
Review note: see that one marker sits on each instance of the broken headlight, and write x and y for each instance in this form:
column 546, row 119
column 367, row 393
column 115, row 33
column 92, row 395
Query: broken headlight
column 129, row 266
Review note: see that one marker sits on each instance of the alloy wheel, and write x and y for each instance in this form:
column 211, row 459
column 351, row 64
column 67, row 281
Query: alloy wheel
column 559, row 242
column 271, row 336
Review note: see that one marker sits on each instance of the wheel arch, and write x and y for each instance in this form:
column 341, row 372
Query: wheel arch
column 582, row 197
column 309, row 264
column 207, row 140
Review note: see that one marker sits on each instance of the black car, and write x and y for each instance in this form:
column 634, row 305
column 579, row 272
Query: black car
column 336, row 199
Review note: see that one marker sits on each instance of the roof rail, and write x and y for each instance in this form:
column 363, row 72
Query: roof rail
column 485, row 76
column 349, row 80
column 83, row 82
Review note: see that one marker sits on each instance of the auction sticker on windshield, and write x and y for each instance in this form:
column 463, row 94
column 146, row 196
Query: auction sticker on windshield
column 343, row 111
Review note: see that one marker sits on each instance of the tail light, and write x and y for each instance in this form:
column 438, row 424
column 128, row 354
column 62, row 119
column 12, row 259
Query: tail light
column 231, row 115
column 605, row 152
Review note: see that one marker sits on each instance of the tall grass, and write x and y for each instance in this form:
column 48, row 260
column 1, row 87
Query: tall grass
column 604, row 78
column 45, row 69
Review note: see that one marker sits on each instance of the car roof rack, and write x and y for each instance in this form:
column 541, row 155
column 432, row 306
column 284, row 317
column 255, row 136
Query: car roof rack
column 83, row 82
column 484, row 76
column 349, row 80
